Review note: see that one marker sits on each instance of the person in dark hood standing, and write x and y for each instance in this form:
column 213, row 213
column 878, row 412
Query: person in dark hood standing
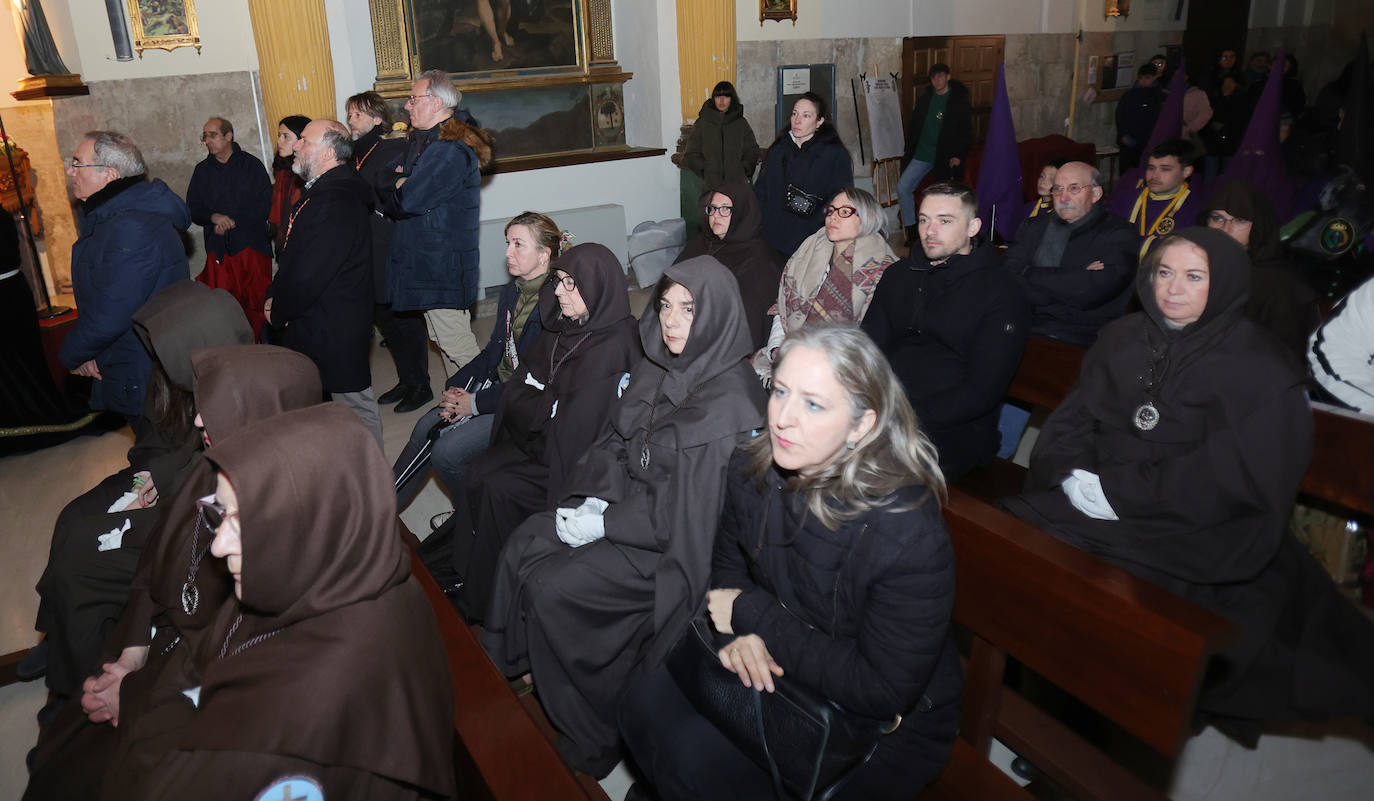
column 805, row 166
column 326, row 668
column 937, row 141
column 1279, row 298
column 322, row 293
column 230, row 197
column 1177, row 456
column 635, row 525
column 721, row 147
column 551, row 412
column 734, row 237
column 129, row 248
column 952, row 323
column 177, row 588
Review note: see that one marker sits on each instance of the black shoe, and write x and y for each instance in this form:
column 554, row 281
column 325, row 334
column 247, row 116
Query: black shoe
column 416, row 397
column 394, row 394
column 438, row 520
column 34, row 664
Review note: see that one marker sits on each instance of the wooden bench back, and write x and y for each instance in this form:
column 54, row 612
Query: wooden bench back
column 1132, row 651
column 1338, row 474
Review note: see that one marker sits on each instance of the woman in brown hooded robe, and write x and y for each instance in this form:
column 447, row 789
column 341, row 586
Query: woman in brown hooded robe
column 551, row 413
column 734, row 236
column 582, row 618
column 326, row 668
column 175, row 589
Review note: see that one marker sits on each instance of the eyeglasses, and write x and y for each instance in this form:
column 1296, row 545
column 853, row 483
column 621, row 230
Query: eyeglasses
column 566, row 281
column 1220, row 220
column 73, row 164
column 210, row 135
column 417, row 98
column 844, row 212
column 212, row 512
column 1071, row 189
column 723, row 211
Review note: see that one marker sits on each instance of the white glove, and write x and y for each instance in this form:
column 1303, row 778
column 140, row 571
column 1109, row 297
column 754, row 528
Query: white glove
column 577, row 527
column 1085, row 493
column 114, row 538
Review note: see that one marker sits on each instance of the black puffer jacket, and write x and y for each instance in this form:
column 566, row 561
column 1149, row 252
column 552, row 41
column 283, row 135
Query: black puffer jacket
column 721, row 147
column 860, row 614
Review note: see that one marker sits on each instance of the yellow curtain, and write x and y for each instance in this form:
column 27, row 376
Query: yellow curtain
column 705, row 49
column 294, row 62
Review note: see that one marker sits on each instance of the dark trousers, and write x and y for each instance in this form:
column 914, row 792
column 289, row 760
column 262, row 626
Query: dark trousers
column 408, row 342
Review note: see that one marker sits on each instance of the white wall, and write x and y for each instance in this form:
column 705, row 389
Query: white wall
column 226, row 36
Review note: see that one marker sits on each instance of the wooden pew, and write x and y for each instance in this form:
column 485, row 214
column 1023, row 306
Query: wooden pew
column 1133, row 652
column 1338, row 475
column 500, row 752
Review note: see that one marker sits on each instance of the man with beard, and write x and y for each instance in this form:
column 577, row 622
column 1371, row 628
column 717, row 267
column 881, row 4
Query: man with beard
column 374, row 149
column 322, row 294
column 1077, row 264
column 953, row 326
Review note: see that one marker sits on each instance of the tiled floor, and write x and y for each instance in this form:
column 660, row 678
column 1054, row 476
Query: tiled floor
column 1332, row 764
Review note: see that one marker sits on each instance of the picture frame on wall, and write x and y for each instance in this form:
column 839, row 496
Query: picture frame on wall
column 777, row 10
column 527, row 37
column 163, row 25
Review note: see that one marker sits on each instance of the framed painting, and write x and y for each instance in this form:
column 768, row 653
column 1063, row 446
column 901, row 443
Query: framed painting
column 479, row 37
column 777, row 10
column 163, row 25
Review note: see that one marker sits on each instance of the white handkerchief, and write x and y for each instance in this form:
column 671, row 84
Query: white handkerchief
column 114, row 538
column 194, row 695
column 123, row 503
column 534, row 382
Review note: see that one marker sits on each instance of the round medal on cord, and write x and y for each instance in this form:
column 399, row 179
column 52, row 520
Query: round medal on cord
column 190, row 598
column 1146, row 416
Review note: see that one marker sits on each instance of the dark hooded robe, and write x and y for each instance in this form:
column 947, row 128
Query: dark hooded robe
column 1280, row 300
column 177, row 586
column 757, row 267
column 551, row 412
column 331, row 668
column 582, row 619
column 1204, row 496
column 83, row 590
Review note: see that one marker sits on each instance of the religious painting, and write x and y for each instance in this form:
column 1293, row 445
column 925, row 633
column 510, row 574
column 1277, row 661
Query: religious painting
column 463, row 37
column 536, row 121
column 163, row 24
column 608, row 106
column 778, row 10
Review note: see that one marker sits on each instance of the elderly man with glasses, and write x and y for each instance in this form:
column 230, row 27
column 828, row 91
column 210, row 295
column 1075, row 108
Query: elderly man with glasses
column 129, row 248
column 1078, row 264
column 230, row 196
column 433, row 266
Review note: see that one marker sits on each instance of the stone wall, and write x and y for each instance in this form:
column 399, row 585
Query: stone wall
column 164, row 117
column 31, row 127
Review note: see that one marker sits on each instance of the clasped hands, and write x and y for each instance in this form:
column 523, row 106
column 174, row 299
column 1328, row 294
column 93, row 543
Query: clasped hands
column 223, row 222
column 455, row 404
column 100, row 694
column 747, row 656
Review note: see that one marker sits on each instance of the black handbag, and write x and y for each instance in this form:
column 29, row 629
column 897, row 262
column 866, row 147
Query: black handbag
column 800, row 202
column 806, row 741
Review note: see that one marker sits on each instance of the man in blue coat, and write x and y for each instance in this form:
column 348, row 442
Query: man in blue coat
column 128, row 249
column 433, row 264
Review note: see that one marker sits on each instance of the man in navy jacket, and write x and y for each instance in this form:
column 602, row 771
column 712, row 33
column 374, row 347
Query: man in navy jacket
column 129, row 248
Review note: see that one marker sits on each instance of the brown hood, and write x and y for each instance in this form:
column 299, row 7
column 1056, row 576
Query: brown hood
column 476, row 138
column 184, row 317
column 238, row 385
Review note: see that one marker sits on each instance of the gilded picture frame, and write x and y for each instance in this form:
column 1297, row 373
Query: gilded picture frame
column 163, row 25
column 777, row 10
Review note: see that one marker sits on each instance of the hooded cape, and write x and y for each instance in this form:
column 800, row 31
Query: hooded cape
column 757, row 267
column 1204, row 497
column 333, row 656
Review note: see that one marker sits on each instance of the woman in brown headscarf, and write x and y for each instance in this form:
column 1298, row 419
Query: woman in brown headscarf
column 551, row 413
column 734, row 236
column 326, row 667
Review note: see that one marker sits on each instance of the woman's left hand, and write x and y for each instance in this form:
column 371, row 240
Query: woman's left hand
column 721, row 604
column 749, row 659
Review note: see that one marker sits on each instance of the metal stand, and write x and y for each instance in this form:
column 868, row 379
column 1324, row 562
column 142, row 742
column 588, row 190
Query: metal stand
column 46, row 310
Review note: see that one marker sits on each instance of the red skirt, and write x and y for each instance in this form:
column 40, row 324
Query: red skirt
column 247, row 275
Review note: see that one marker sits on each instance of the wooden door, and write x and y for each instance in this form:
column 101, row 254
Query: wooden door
column 972, row 60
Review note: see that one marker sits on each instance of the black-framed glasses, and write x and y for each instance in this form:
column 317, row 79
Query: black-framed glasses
column 213, row 512
column 567, row 281
column 844, row 212
column 723, row 211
